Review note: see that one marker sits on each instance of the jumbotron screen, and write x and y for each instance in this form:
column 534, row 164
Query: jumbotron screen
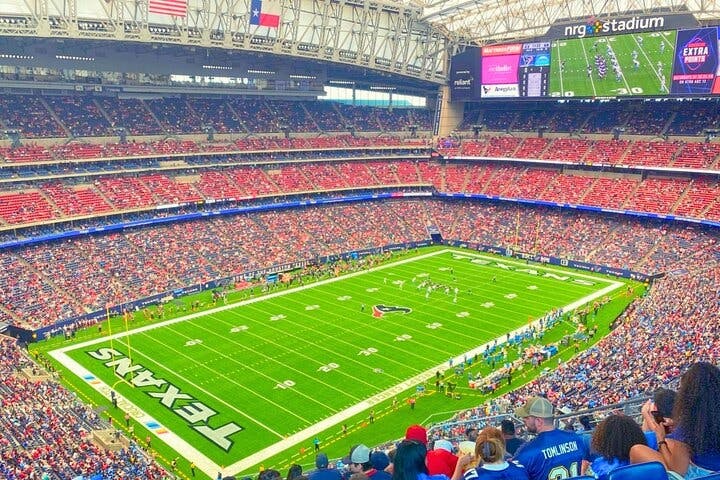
column 661, row 63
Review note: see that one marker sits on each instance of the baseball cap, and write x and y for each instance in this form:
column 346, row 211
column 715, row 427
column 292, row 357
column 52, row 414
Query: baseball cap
column 379, row 460
column 443, row 445
column 416, row 433
column 536, row 407
column 346, row 459
column 321, row 460
column 361, row 454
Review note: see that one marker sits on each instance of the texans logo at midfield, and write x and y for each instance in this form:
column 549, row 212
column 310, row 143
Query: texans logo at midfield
column 380, row 310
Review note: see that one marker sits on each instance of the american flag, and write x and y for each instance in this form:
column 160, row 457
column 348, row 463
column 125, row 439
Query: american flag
column 176, row 8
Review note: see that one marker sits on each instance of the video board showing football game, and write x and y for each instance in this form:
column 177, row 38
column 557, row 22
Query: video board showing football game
column 674, row 63
column 635, row 64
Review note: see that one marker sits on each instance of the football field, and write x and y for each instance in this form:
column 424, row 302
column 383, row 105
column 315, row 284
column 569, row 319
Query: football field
column 230, row 387
column 584, row 67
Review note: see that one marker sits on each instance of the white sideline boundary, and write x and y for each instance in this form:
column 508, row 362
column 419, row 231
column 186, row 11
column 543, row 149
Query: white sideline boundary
column 209, row 467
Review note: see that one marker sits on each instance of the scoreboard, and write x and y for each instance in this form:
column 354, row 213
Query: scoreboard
column 666, row 63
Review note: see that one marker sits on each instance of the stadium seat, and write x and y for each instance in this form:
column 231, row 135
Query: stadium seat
column 646, row 471
column 712, row 476
column 582, row 477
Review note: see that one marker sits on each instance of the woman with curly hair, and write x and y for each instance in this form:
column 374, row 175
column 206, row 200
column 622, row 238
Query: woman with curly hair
column 693, row 448
column 612, row 440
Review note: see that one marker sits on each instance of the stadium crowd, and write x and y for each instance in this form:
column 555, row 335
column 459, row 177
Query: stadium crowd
column 58, row 116
column 119, row 192
column 655, row 341
column 46, row 430
column 50, row 281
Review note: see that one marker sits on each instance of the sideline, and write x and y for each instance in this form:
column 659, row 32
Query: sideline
column 209, row 467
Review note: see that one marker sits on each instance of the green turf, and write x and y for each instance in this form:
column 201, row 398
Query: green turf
column 572, row 79
column 279, row 365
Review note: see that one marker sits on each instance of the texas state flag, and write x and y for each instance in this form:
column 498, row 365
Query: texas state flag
column 265, row 13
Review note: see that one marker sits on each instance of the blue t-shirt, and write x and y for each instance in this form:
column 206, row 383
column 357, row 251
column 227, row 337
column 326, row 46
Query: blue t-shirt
column 601, row 467
column 503, row 471
column 553, row 455
column 325, row 474
column 707, row 460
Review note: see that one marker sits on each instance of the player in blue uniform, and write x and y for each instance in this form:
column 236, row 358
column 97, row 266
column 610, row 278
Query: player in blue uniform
column 554, row 454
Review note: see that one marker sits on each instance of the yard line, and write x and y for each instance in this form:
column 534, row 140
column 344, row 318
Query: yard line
column 336, row 340
column 377, row 326
column 560, row 71
column 226, row 377
column 260, row 298
column 283, row 364
column 652, row 67
column 587, row 61
column 314, row 430
column 348, row 412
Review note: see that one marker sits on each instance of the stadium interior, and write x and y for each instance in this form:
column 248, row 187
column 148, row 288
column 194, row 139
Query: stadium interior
column 145, row 156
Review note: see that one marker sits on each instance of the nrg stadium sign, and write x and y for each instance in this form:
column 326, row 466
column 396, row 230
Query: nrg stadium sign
column 596, row 27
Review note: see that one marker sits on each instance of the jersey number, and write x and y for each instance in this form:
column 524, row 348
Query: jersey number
column 561, row 472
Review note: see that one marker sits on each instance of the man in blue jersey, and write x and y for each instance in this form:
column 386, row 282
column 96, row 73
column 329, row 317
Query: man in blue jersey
column 554, row 454
column 324, row 472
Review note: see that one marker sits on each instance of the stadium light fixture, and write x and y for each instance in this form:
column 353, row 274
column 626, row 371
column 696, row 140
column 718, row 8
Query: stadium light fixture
column 16, row 57
column 75, row 58
column 260, row 72
column 216, row 67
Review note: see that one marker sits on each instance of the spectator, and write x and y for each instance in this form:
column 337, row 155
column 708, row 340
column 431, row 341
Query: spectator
column 512, row 443
column 612, row 440
column 409, row 462
column 441, row 460
column 380, row 461
column 269, row 474
column 664, row 400
column 294, row 472
column 359, row 462
column 693, row 448
column 324, row 472
column 490, row 456
column 553, row 452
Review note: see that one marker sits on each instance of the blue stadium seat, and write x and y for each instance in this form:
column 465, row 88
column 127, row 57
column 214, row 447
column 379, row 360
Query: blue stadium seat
column 712, row 476
column 646, row 471
column 582, row 477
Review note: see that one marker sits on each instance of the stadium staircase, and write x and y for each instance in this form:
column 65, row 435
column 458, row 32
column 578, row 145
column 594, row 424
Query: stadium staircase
column 667, row 125
column 58, row 292
column 311, row 117
column 55, row 116
column 239, row 117
column 55, row 207
column 581, row 198
column 152, row 114
column 627, row 203
column 103, row 112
